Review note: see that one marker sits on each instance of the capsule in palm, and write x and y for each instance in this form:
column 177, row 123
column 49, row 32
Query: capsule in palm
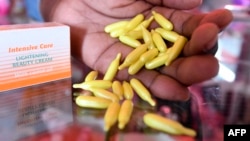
column 133, row 56
column 113, row 68
column 92, row 102
column 111, row 115
column 92, row 75
column 142, row 91
column 104, row 84
column 162, row 21
column 166, row 125
column 115, row 26
column 98, row 92
column 134, row 22
column 147, row 37
column 135, row 34
column 127, row 90
column 135, row 67
column 168, row 35
column 145, row 23
column 127, row 40
column 176, row 49
column 117, row 33
column 125, row 113
column 117, row 89
column 149, row 55
column 157, row 61
column 159, row 41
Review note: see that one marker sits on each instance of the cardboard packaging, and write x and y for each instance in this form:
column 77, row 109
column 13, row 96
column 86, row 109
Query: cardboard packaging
column 33, row 54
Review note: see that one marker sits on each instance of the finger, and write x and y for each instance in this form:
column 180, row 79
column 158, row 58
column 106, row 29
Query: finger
column 185, row 23
column 220, row 17
column 181, row 4
column 203, row 40
column 191, row 70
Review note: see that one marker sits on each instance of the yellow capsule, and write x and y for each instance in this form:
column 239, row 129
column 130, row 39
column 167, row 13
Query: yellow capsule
column 111, row 115
column 134, row 22
column 117, row 89
column 92, row 75
column 115, row 26
column 135, row 34
column 133, row 56
column 162, row 21
column 147, row 37
column 145, row 23
column 125, row 113
column 92, row 102
column 167, row 125
column 98, row 92
column 157, row 61
column 158, row 41
column 104, row 84
column 149, row 55
column 127, row 40
column 142, row 91
column 127, row 90
column 176, row 49
column 113, row 68
column 163, row 53
column 117, row 33
column 168, row 35
column 135, row 67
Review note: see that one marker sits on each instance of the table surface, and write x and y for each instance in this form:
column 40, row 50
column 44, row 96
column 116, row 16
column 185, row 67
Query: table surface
column 48, row 112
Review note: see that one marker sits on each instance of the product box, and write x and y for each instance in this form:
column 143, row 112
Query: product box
column 33, row 53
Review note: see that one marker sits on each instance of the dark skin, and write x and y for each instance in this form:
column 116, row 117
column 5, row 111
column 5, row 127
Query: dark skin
column 87, row 19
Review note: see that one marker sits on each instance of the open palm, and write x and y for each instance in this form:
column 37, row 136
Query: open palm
column 87, row 19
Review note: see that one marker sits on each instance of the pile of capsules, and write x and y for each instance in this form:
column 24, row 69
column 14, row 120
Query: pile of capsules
column 151, row 51
column 152, row 48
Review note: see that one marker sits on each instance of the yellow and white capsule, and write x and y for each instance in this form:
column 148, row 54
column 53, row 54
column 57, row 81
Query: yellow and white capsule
column 134, row 22
column 142, row 91
column 111, row 115
column 92, row 75
column 176, row 49
column 135, row 67
column 162, row 21
column 125, row 113
column 127, row 40
column 113, row 68
column 92, row 102
column 133, row 56
column 167, row 125
column 159, row 41
column 104, row 84
column 115, row 26
column 117, row 89
column 149, row 55
column 127, row 90
column 170, row 36
column 98, row 92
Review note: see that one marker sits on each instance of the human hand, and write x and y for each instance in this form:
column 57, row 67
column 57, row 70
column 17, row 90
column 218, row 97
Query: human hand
column 87, row 19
